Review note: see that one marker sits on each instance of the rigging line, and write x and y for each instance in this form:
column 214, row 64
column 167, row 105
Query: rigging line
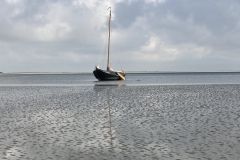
column 103, row 58
column 109, row 36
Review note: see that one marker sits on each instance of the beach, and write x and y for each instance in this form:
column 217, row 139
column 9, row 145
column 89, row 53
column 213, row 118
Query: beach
column 169, row 122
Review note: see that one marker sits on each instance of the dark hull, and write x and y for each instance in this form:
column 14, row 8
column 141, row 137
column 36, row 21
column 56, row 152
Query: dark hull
column 103, row 75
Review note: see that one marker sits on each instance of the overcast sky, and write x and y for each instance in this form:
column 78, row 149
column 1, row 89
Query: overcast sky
column 147, row 35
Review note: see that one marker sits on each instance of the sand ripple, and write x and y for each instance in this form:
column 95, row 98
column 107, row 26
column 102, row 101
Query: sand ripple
column 120, row 122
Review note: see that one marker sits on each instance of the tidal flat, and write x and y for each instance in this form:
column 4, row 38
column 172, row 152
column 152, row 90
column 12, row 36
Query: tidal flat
column 170, row 122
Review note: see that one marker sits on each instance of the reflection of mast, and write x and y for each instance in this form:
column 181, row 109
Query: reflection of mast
column 110, row 120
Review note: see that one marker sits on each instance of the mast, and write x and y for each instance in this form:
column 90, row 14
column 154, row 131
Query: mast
column 109, row 34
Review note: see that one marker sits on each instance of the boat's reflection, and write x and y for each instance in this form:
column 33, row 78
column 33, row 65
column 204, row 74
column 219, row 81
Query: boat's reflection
column 108, row 90
column 110, row 117
column 101, row 86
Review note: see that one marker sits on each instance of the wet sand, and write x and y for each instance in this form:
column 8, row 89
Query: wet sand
column 120, row 122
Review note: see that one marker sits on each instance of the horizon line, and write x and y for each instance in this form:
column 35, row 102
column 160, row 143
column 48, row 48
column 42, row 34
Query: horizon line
column 128, row 72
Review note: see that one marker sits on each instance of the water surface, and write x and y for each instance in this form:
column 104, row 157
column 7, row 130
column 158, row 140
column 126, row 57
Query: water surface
column 149, row 116
column 131, row 79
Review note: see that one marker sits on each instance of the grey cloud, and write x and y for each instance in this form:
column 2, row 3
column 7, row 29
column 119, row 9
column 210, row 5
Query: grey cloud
column 126, row 13
column 174, row 35
column 219, row 19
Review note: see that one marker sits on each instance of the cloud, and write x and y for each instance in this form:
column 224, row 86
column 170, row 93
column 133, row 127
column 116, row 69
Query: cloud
column 180, row 31
column 155, row 1
column 71, row 35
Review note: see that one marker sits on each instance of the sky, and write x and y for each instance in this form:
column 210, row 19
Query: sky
column 146, row 35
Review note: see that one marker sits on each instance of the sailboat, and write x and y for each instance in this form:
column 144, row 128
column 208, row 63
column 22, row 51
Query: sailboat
column 108, row 74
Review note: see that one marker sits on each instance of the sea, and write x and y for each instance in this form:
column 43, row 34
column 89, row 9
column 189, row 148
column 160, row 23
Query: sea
column 150, row 116
column 146, row 78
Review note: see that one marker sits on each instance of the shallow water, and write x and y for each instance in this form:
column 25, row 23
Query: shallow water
column 173, row 122
column 132, row 79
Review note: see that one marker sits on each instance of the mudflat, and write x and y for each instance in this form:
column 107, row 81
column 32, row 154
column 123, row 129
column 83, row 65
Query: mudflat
column 120, row 122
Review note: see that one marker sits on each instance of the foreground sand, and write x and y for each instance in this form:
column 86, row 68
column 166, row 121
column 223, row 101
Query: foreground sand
column 120, row 122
